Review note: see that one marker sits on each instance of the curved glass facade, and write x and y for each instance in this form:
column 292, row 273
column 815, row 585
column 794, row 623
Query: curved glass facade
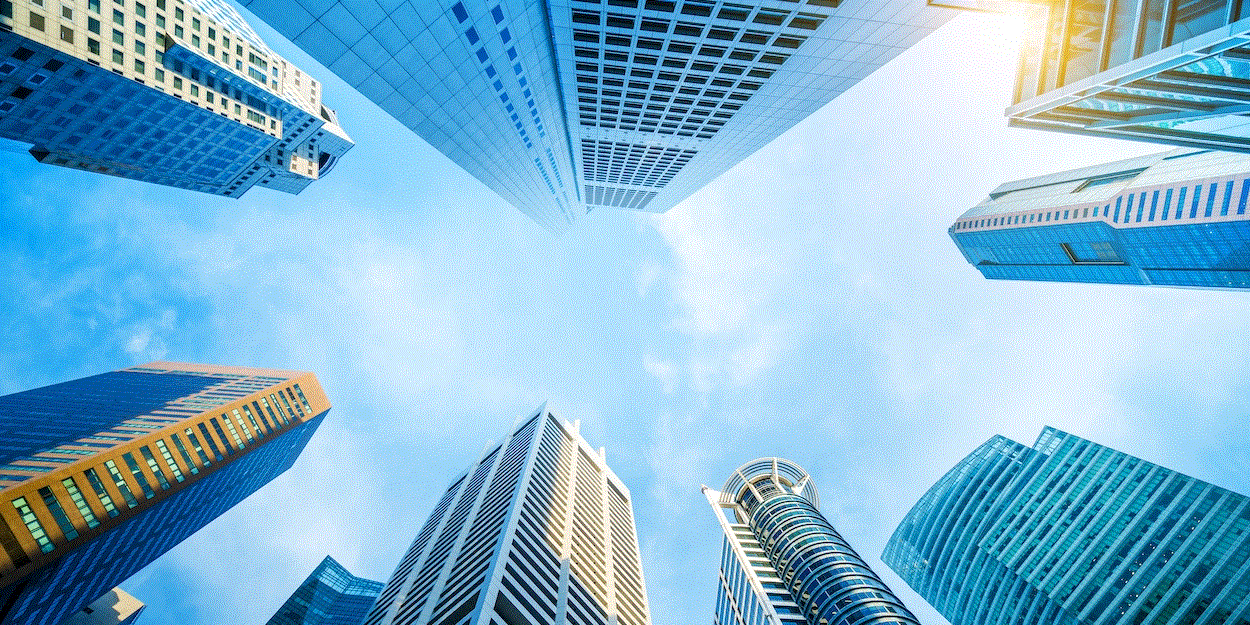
column 1070, row 532
column 798, row 569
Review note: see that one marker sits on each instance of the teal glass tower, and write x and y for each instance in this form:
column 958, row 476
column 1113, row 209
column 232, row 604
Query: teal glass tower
column 1173, row 219
column 1069, row 532
column 783, row 563
column 329, row 596
column 566, row 106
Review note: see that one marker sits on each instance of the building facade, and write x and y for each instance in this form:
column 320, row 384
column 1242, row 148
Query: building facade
column 175, row 92
column 1173, row 219
column 783, row 563
column 563, row 106
column 329, row 596
column 1073, row 533
column 100, row 476
column 538, row 531
column 116, row 607
column 1149, row 70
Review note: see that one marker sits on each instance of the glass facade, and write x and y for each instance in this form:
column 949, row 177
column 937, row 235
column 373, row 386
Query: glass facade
column 783, row 563
column 1150, row 70
column 1173, row 219
column 564, row 106
column 539, row 530
column 329, row 596
column 176, row 92
column 74, row 452
column 1071, row 532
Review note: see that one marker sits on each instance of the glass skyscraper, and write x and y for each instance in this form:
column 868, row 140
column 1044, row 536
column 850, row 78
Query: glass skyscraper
column 176, row 92
column 539, row 530
column 329, row 596
column 1068, row 532
column 1172, row 219
column 100, row 476
column 1170, row 71
column 562, row 106
column 782, row 563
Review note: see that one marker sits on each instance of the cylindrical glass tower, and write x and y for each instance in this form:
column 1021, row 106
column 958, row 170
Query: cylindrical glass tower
column 831, row 584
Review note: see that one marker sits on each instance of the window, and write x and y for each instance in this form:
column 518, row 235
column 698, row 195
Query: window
column 237, row 417
column 178, row 32
column 94, row 6
column 158, row 74
column 119, row 17
column 141, row 10
column 156, row 469
column 118, row 57
column 67, row 34
column 195, row 40
column 160, row 20
column 140, row 48
column 195, row 90
column 121, row 484
column 221, row 434
column 186, row 457
column 32, row 524
column 234, row 432
column 100, row 492
column 177, row 82
column 67, row 12
column 195, row 23
column 212, row 33
column 1092, row 253
column 178, row 15
column 36, row 21
column 137, row 473
column 118, row 37
column 80, row 502
column 140, row 29
column 93, row 25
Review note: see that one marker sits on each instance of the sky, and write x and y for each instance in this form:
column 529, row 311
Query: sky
column 808, row 304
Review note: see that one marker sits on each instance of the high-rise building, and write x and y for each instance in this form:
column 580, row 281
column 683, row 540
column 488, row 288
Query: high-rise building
column 329, row 596
column 116, row 607
column 539, row 530
column 176, row 92
column 1068, row 532
column 562, row 106
column 783, row 563
column 100, row 476
column 1149, row 70
column 1172, row 219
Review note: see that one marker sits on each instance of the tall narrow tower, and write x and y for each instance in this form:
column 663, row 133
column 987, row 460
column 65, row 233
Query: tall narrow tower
column 102, row 475
column 539, row 530
column 783, row 563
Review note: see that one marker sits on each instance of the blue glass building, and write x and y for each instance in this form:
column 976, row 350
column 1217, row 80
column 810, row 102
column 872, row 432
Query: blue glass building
column 102, row 475
column 563, row 106
column 1172, row 219
column 537, row 530
column 1149, row 70
column 1068, row 532
column 782, row 563
column 329, row 596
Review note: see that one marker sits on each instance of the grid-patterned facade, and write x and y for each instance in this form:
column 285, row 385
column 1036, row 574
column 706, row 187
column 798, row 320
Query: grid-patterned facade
column 102, row 475
column 1151, row 70
column 330, row 595
column 538, row 531
column 561, row 106
column 175, row 92
column 1171, row 219
column 782, row 563
column 1071, row 532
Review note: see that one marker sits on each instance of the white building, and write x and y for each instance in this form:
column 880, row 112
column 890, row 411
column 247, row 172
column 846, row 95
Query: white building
column 539, row 530
column 176, row 92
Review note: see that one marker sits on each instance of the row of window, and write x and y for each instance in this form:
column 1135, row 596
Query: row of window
column 1136, row 209
column 274, row 411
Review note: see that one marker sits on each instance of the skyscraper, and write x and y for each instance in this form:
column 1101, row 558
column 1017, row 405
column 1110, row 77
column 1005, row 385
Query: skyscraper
column 100, row 476
column 116, row 607
column 562, row 106
column 1172, row 219
column 539, row 530
column 1150, row 70
column 176, row 92
column 1069, row 532
column 329, row 596
column 782, row 563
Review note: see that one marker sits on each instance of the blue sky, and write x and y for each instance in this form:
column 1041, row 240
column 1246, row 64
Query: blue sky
column 807, row 304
